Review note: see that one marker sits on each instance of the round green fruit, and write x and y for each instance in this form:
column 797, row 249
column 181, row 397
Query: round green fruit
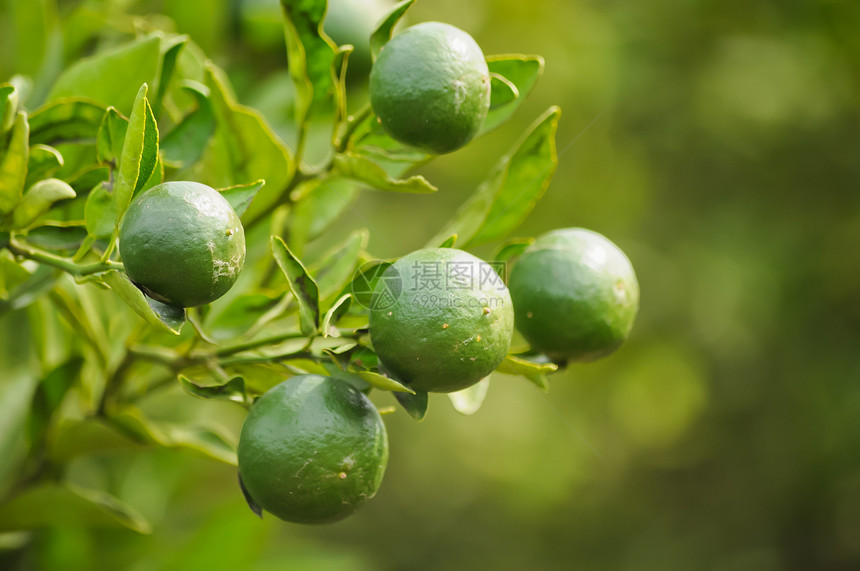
column 441, row 319
column 575, row 295
column 313, row 449
column 430, row 87
column 182, row 243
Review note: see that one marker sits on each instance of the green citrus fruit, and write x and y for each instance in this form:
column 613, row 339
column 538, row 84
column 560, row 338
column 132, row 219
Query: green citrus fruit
column 182, row 243
column 441, row 319
column 313, row 449
column 575, row 295
column 430, row 87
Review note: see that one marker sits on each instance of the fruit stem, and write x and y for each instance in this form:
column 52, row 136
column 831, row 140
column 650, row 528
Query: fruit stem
column 66, row 264
column 351, row 125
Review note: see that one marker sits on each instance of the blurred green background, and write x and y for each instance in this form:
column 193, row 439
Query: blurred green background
column 718, row 143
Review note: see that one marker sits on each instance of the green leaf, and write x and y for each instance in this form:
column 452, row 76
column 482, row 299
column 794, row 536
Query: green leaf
column 233, row 390
column 533, row 372
column 240, row 196
column 186, row 142
column 512, row 249
column 319, row 207
column 469, row 400
column 302, row 285
column 68, row 120
column 100, row 212
column 449, row 243
column 8, row 107
column 66, row 504
column 520, row 74
column 164, row 317
column 414, row 403
column 57, row 236
column 112, row 77
column 13, row 165
column 111, row 136
column 49, row 395
column 387, row 384
column 44, row 161
column 310, row 55
column 337, row 266
column 514, row 186
column 244, row 148
column 383, row 31
column 335, row 312
column 170, row 52
column 364, row 170
column 365, row 280
column 139, row 155
column 39, row 199
column 239, row 315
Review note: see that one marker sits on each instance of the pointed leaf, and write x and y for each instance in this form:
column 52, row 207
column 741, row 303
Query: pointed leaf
column 335, row 312
column 39, row 199
column 512, row 250
column 382, row 34
column 414, row 403
column 240, row 196
column 317, row 209
column 139, row 155
column 533, row 372
column 13, row 165
column 364, row 170
column 66, row 504
column 112, row 77
column 514, row 186
column 469, row 400
column 165, row 317
column 8, row 107
column 449, row 243
column 111, row 136
column 67, row 120
column 337, row 266
column 170, row 48
column 44, row 161
column 365, row 280
column 302, row 285
column 519, row 72
column 49, row 395
column 186, row 142
column 100, row 212
column 385, row 383
column 233, row 390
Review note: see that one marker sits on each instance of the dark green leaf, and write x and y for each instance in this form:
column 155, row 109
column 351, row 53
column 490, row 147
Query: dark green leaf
column 233, row 390
column 110, row 137
column 415, row 404
column 364, row 170
column 469, row 400
column 382, row 34
column 240, row 196
column 44, row 161
column 112, row 77
column 57, row 236
column 100, row 212
column 69, row 120
column 511, row 191
column 533, row 372
column 49, row 395
column 310, row 55
column 186, row 142
column 165, row 317
column 65, row 504
column 302, row 285
column 520, row 71
column 170, row 48
column 13, row 165
column 39, row 199
column 317, row 209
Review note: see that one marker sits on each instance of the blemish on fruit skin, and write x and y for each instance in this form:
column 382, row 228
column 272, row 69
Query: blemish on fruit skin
column 478, row 339
column 487, row 311
column 444, row 326
column 342, row 475
column 530, row 314
column 389, row 314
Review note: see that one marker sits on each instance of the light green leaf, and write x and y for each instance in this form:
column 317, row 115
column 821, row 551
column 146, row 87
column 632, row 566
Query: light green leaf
column 66, row 504
column 512, row 249
column 469, row 400
column 68, row 120
column 317, row 209
column 39, row 199
column 111, row 136
column 512, row 189
column 337, row 266
column 13, row 165
column 449, row 243
column 233, row 390
column 44, row 161
column 383, row 31
column 519, row 71
column 385, row 383
column 364, row 170
column 139, row 155
column 241, row 196
column 112, row 77
column 49, row 395
column 310, row 55
column 164, row 317
column 170, row 48
column 335, row 312
column 100, row 212
column 533, row 372
column 8, row 107
column 302, row 285
column 244, row 148
column 414, row 403
column 186, row 142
